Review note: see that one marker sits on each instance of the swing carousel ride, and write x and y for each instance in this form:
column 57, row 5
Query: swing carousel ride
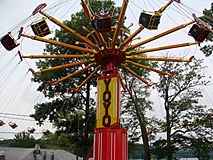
column 106, row 51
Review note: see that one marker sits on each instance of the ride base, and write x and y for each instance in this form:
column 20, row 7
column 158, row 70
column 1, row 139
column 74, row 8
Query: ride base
column 110, row 141
column 110, row 144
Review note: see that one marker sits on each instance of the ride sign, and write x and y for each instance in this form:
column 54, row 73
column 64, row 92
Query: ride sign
column 108, row 103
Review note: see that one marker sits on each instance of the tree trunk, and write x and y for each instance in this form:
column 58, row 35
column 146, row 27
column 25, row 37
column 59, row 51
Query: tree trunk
column 87, row 111
column 168, row 135
column 142, row 123
column 86, row 133
column 145, row 141
column 168, row 125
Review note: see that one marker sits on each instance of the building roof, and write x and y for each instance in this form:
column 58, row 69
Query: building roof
column 12, row 153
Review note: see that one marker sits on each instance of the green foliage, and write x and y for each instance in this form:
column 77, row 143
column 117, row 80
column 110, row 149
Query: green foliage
column 186, row 120
column 208, row 49
column 5, row 143
column 202, row 148
column 159, row 148
column 24, row 140
column 57, row 141
column 135, row 104
column 136, row 151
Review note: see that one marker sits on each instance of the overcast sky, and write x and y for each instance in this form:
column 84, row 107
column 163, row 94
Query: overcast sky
column 18, row 95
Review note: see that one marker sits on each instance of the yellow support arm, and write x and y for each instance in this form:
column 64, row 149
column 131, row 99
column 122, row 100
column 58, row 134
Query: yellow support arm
column 89, row 15
column 74, row 73
column 164, row 7
column 89, row 77
column 142, row 27
column 161, row 48
column 101, row 38
column 135, row 74
column 120, row 22
column 86, row 40
column 149, row 68
column 158, row 59
column 160, row 35
column 66, row 56
column 87, row 10
column 63, row 66
column 59, row 43
column 131, row 37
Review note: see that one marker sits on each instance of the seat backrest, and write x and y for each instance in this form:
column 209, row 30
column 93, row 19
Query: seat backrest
column 9, row 42
column 102, row 24
column 150, row 21
column 199, row 33
column 41, row 28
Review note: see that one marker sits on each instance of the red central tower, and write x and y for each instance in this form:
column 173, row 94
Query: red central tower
column 110, row 142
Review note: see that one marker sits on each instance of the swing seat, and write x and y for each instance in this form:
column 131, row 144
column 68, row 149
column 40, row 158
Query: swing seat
column 31, row 130
column 1, row 123
column 150, row 21
column 40, row 28
column 102, row 23
column 9, row 42
column 13, row 125
column 199, row 33
column 45, row 131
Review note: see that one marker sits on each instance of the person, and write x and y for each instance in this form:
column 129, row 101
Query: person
column 52, row 156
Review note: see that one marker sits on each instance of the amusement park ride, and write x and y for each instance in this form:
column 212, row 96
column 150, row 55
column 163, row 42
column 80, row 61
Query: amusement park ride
column 108, row 56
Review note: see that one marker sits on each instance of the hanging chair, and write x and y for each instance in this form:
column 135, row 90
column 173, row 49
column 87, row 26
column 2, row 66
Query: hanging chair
column 31, row 129
column 1, row 123
column 13, row 125
column 102, row 23
column 9, row 42
column 150, row 21
column 40, row 28
column 45, row 131
column 199, row 32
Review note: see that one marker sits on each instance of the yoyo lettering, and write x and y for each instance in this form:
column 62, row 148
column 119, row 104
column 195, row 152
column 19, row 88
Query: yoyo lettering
column 106, row 121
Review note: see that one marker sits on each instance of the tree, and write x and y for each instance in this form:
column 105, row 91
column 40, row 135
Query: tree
column 57, row 141
column 135, row 151
column 208, row 49
column 185, row 117
column 135, row 104
column 202, row 148
column 72, row 113
column 24, row 140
